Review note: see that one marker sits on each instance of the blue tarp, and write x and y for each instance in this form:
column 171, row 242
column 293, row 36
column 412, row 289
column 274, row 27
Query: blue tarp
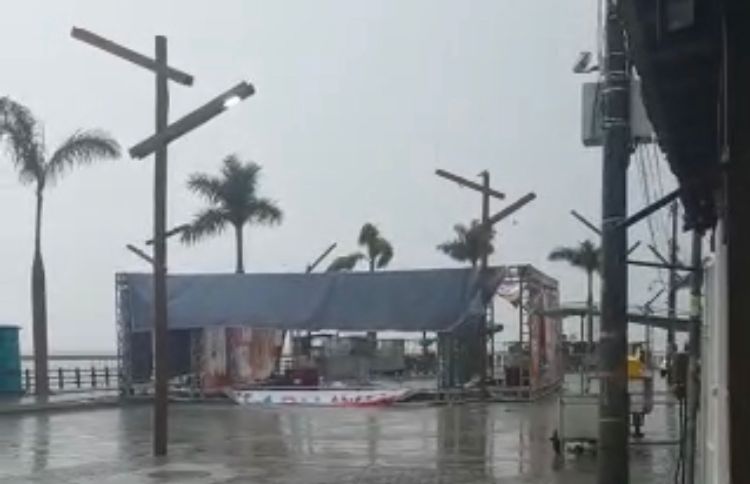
column 420, row 300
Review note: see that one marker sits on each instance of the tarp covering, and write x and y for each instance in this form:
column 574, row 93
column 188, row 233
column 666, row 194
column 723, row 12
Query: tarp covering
column 422, row 300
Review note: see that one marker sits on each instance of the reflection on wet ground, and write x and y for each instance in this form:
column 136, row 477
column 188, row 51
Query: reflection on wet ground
column 216, row 443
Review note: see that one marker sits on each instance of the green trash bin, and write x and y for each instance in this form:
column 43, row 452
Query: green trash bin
column 10, row 361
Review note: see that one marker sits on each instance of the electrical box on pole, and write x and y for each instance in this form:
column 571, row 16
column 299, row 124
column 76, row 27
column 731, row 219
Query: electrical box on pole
column 592, row 134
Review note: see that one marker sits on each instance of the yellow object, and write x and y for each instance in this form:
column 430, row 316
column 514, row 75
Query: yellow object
column 635, row 367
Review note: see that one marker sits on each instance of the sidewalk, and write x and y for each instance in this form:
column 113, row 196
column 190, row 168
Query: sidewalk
column 60, row 401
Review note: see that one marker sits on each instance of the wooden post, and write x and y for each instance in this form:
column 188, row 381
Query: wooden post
column 160, row 255
column 483, row 278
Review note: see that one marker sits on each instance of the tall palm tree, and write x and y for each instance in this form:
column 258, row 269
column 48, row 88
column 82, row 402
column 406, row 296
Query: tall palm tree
column 24, row 139
column 586, row 256
column 379, row 250
column 233, row 200
column 471, row 243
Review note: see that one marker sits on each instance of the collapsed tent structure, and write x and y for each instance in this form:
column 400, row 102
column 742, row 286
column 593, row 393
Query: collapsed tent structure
column 226, row 328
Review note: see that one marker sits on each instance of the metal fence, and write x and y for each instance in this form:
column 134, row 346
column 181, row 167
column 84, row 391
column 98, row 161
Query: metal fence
column 74, row 373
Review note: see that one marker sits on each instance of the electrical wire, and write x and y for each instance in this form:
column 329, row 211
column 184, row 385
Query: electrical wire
column 645, row 185
column 655, row 162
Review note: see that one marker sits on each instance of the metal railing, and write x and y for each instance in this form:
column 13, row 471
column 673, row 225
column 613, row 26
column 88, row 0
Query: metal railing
column 74, row 373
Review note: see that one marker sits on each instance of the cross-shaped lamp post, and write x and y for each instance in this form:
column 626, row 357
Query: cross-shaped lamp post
column 165, row 133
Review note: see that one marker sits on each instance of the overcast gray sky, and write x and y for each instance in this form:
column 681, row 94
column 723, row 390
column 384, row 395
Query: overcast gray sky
column 357, row 103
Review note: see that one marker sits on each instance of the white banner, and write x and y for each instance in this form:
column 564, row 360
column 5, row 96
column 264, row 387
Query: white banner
column 326, row 398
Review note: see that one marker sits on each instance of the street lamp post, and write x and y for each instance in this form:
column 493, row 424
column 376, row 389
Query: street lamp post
column 157, row 144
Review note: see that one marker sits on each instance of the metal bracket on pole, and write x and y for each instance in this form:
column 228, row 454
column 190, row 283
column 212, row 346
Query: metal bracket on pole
column 192, row 120
column 511, row 208
column 658, row 265
column 658, row 254
column 129, row 55
column 645, row 212
column 586, row 222
column 171, row 232
column 469, row 184
column 135, row 250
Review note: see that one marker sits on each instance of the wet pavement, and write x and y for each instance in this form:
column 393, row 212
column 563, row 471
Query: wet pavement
column 216, row 443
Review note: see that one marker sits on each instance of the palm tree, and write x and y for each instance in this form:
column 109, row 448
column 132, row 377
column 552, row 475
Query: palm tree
column 470, row 245
column 586, row 256
column 24, row 138
column 233, row 200
column 379, row 255
column 379, row 250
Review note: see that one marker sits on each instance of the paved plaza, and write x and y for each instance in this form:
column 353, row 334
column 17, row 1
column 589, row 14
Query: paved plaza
column 218, row 443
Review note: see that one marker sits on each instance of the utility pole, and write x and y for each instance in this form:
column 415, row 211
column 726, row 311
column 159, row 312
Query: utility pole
column 672, row 289
column 694, row 357
column 484, row 264
column 612, row 464
column 161, row 370
column 487, row 222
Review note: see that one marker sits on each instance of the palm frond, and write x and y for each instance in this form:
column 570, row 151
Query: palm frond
column 471, row 243
column 266, row 211
column 384, row 253
column 461, row 230
column 368, row 234
column 567, row 254
column 81, row 148
column 586, row 256
column 345, row 262
column 21, row 132
column 231, row 165
column 206, row 223
column 455, row 249
column 209, row 187
column 240, row 179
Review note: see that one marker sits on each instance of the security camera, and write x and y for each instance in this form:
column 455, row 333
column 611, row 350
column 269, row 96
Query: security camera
column 581, row 65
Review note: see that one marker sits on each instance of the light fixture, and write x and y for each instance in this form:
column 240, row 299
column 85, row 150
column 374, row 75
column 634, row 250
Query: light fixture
column 582, row 64
column 231, row 101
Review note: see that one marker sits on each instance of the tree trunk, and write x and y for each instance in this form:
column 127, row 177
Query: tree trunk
column 590, row 311
column 238, row 235
column 39, row 307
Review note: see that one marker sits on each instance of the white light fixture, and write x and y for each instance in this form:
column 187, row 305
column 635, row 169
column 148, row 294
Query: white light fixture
column 231, row 101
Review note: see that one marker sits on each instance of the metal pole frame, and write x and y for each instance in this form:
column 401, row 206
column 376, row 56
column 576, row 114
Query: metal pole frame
column 124, row 337
column 672, row 291
column 614, row 425
column 694, row 361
